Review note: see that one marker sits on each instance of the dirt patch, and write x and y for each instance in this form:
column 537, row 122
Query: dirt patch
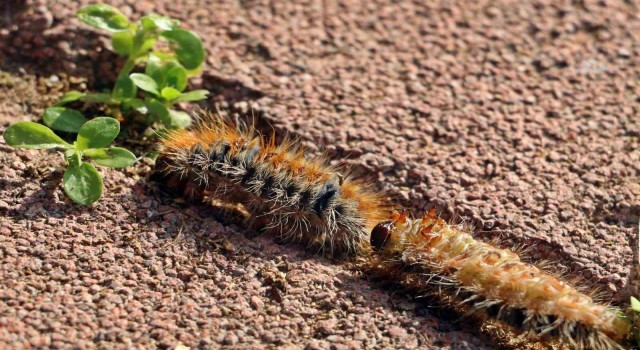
column 520, row 118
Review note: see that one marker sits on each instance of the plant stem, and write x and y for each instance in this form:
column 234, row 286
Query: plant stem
column 127, row 68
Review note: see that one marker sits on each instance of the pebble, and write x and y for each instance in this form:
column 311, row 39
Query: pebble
column 256, row 303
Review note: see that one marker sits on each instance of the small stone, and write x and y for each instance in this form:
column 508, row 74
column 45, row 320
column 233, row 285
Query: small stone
column 624, row 53
column 256, row 303
column 326, row 327
column 230, row 339
column 397, row 332
column 18, row 165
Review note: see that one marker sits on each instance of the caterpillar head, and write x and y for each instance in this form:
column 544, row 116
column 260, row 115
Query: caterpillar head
column 380, row 235
column 386, row 236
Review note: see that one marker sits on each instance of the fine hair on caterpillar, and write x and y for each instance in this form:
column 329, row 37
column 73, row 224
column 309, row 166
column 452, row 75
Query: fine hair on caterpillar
column 293, row 196
column 495, row 284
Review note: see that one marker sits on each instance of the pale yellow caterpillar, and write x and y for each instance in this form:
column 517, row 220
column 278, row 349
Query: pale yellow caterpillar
column 427, row 253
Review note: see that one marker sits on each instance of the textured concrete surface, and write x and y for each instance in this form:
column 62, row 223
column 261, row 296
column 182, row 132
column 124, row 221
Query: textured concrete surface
column 518, row 117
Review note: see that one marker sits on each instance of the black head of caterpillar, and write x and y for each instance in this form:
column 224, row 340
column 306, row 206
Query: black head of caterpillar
column 295, row 197
column 428, row 254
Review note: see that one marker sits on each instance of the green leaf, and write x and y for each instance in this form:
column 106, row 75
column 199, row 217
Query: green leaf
column 143, row 42
column 63, row 119
column 145, row 46
column 125, row 88
column 97, row 133
column 113, row 157
column 158, row 110
column 153, row 21
column 99, row 97
column 179, row 119
column 69, row 153
column 166, row 56
column 190, row 50
column 136, row 104
column 169, row 118
column 122, row 43
column 34, row 136
column 166, row 71
column 192, row 96
column 82, row 183
column 147, row 24
column 177, row 78
column 69, row 97
column 103, row 16
column 170, row 93
column 145, row 82
column 194, row 72
column 635, row 304
column 156, row 68
column 153, row 155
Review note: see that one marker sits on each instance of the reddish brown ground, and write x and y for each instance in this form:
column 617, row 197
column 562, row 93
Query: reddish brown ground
column 520, row 117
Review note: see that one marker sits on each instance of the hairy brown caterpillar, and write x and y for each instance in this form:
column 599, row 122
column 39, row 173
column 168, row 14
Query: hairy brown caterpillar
column 297, row 198
column 304, row 200
column 427, row 253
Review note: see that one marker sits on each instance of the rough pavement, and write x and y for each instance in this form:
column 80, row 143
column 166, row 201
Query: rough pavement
column 520, row 118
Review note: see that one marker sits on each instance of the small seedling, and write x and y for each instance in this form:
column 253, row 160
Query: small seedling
column 81, row 181
column 166, row 73
column 152, row 93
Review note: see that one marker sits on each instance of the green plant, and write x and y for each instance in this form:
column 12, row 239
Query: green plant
column 81, row 181
column 166, row 73
column 152, row 93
